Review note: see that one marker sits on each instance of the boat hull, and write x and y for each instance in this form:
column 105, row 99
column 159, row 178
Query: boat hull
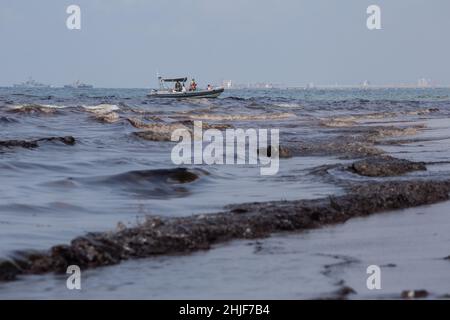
column 189, row 94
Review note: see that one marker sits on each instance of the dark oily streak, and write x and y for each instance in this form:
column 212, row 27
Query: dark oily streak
column 385, row 166
column 153, row 135
column 414, row 294
column 344, row 147
column 342, row 293
column 351, row 142
column 158, row 236
column 163, row 131
column 34, row 109
column 206, row 126
column 280, row 151
column 176, row 175
column 30, row 144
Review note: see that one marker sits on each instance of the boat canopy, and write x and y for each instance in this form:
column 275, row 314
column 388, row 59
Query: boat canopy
column 173, row 79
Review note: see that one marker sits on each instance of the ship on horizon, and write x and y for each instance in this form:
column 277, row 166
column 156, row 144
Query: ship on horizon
column 79, row 85
column 31, row 83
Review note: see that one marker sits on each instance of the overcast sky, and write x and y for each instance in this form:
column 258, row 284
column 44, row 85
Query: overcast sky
column 123, row 43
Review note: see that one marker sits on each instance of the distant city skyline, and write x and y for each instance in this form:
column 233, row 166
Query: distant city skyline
column 124, row 43
column 420, row 83
column 231, row 84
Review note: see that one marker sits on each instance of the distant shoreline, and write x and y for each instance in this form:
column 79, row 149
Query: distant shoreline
column 320, row 87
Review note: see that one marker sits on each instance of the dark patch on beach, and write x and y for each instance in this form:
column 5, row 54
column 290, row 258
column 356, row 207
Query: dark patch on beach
column 349, row 142
column 331, row 271
column 345, row 148
column 385, row 166
column 159, row 236
column 31, row 144
column 414, row 294
column 342, row 293
column 153, row 135
column 158, row 130
column 389, row 265
column 281, row 152
column 68, row 140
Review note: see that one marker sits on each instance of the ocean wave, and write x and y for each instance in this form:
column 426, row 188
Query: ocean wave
column 167, row 176
column 234, row 98
column 156, row 131
column 337, row 123
column 350, row 120
column 111, row 117
column 104, row 112
column 49, row 108
column 8, row 120
column 31, row 144
column 155, row 183
column 102, row 108
column 242, row 117
column 157, row 127
column 162, row 131
column 289, row 105
column 387, row 132
column 27, row 95
column 35, row 108
column 21, row 208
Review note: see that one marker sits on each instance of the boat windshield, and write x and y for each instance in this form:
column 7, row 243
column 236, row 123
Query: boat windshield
column 178, row 83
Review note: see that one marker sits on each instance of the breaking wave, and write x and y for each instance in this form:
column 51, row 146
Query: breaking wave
column 35, row 108
column 151, row 184
column 102, row 108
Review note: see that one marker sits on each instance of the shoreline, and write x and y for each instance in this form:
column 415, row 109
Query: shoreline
column 360, row 173
column 162, row 236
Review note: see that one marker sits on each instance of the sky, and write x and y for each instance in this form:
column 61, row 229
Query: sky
column 124, row 43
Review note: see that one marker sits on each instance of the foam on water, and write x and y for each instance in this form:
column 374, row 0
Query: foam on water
column 102, row 108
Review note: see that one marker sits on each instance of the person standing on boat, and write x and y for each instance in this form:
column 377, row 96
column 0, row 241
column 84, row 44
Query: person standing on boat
column 193, row 85
column 178, row 87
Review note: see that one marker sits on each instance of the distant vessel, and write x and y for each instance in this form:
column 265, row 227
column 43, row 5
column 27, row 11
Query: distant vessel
column 165, row 92
column 30, row 83
column 79, row 85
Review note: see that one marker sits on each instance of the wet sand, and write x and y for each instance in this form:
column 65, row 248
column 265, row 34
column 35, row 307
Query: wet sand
column 409, row 246
column 163, row 236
